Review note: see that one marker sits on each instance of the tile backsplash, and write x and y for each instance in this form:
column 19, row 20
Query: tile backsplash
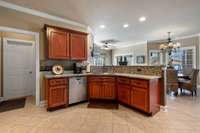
column 46, row 65
column 147, row 70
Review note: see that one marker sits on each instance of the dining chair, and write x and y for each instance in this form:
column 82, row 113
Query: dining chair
column 187, row 72
column 190, row 84
column 172, row 80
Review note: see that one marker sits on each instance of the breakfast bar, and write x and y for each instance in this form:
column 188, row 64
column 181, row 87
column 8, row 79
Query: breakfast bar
column 140, row 92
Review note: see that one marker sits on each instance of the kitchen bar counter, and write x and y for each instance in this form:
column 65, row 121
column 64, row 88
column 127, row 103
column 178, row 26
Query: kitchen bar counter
column 135, row 90
column 138, row 76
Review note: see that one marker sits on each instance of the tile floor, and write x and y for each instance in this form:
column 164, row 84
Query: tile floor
column 183, row 116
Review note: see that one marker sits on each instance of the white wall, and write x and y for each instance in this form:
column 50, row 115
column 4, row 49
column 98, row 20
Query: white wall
column 135, row 50
column 108, row 57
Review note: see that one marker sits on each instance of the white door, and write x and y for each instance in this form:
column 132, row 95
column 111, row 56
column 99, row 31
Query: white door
column 18, row 68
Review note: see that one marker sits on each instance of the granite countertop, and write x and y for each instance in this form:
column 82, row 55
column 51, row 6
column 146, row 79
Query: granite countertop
column 139, row 76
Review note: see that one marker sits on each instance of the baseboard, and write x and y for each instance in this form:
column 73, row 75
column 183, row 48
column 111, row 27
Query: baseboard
column 43, row 103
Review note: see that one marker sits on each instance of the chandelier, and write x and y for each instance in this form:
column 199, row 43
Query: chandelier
column 170, row 47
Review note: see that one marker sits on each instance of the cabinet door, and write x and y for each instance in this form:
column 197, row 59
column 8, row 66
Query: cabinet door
column 139, row 98
column 94, row 90
column 58, row 44
column 78, row 46
column 108, row 90
column 57, row 96
column 124, row 93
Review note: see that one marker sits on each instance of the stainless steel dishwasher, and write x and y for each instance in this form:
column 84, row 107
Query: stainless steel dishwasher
column 77, row 89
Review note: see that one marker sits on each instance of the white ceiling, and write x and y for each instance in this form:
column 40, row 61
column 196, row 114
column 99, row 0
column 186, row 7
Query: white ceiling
column 182, row 17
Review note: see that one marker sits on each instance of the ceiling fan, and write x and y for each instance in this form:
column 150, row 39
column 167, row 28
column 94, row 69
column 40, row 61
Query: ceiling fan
column 108, row 44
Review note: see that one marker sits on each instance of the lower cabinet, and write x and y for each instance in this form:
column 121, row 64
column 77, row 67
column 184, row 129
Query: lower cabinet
column 57, row 96
column 101, row 88
column 107, row 90
column 94, row 90
column 56, row 92
column 124, row 93
column 138, row 93
column 139, row 98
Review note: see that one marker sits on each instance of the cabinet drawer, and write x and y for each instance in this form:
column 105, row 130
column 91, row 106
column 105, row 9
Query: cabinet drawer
column 139, row 83
column 94, row 79
column 123, row 80
column 101, row 79
column 54, row 82
column 108, row 79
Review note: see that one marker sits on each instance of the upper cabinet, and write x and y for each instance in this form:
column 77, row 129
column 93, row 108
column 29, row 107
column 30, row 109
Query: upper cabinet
column 58, row 44
column 66, row 44
column 78, row 46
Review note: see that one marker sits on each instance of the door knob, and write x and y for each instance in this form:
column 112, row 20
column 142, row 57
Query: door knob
column 30, row 72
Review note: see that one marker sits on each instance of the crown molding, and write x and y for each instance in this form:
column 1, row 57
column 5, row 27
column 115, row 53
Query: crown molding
column 186, row 37
column 9, row 29
column 40, row 14
column 145, row 42
column 130, row 44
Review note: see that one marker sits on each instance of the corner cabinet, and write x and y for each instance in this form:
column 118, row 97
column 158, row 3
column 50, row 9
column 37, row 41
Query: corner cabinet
column 56, row 92
column 66, row 44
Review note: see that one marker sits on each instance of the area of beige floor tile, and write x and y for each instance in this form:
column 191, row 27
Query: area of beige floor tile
column 182, row 117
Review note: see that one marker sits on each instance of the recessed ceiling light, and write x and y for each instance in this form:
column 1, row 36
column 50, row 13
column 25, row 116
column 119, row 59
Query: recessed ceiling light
column 142, row 19
column 102, row 26
column 125, row 25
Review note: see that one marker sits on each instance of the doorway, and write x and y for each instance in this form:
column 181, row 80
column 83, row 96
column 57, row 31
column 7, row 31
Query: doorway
column 18, row 68
column 36, row 61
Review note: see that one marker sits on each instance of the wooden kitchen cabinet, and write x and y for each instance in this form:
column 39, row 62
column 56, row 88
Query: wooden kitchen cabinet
column 108, row 90
column 145, row 95
column 58, row 44
column 56, row 91
column 78, row 46
column 57, row 96
column 101, row 88
column 139, row 98
column 66, row 44
column 94, row 90
column 124, row 90
column 124, row 93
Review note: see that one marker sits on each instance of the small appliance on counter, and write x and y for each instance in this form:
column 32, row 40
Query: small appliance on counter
column 77, row 68
column 57, row 69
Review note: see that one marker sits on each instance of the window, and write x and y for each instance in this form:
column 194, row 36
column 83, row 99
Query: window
column 155, row 57
column 127, row 59
column 184, row 58
column 99, row 60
